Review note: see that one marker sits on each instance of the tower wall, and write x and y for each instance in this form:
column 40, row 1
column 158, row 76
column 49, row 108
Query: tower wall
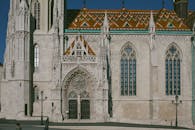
column 181, row 8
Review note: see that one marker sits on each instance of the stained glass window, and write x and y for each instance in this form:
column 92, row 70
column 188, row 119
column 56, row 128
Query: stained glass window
column 37, row 14
column 128, row 71
column 172, row 64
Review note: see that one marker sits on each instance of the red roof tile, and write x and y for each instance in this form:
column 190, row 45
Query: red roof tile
column 124, row 19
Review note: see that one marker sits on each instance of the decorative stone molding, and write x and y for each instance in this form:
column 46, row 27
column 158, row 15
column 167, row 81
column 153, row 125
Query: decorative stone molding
column 84, row 59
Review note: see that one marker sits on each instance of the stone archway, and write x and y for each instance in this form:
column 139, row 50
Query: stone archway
column 77, row 94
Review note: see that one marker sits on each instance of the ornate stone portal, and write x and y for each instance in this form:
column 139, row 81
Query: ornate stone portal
column 77, row 95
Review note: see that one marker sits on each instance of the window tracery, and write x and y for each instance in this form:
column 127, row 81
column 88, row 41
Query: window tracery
column 37, row 14
column 173, row 64
column 128, row 71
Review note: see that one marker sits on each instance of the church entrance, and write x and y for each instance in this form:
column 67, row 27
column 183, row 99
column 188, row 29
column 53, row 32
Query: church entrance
column 85, row 109
column 79, row 106
column 77, row 96
column 73, row 109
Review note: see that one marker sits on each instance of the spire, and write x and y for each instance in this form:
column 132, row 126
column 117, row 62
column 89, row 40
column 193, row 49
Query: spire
column 84, row 4
column 106, row 24
column 123, row 4
column 163, row 3
column 151, row 24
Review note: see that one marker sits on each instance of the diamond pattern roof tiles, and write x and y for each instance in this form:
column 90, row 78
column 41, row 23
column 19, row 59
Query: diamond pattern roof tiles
column 124, row 19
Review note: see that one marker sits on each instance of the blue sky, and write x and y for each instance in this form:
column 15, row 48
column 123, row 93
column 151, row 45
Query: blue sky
column 97, row 4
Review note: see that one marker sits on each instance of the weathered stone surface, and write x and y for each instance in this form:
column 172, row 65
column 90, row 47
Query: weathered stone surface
column 79, row 79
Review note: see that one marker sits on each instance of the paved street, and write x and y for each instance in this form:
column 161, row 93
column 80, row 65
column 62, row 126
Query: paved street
column 84, row 127
column 34, row 125
column 26, row 127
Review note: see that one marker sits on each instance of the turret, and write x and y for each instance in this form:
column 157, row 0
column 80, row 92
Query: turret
column 181, row 8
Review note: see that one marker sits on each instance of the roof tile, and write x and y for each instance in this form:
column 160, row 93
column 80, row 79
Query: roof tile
column 124, row 19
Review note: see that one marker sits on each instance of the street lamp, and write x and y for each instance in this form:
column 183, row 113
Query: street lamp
column 176, row 102
column 42, row 107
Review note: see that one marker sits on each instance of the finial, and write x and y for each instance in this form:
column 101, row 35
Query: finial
column 105, row 24
column 84, row 3
column 105, row 27
column 152, row 24
column 163, row 3
column 123, row 4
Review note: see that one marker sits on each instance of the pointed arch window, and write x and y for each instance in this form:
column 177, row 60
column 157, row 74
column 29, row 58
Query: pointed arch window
column 37, row 14
column 128, row 71
column 36, row 56
column 172, row 63
column 51, row 13
column 35, row 94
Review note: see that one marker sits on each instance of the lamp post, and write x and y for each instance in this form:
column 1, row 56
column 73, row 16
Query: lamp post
column 41, row 107
column 176, row 102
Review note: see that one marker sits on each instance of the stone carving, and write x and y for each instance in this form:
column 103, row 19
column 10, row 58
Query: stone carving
column 79, row 82
column 80, row 59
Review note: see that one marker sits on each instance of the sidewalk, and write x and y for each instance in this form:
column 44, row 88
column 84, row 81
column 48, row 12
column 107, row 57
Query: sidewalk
column 35, row 125
column 106, row 128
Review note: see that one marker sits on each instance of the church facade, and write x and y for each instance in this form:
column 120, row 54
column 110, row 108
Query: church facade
column 134, row 66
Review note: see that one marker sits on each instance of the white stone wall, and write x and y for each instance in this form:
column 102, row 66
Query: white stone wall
column 150, row 104
column 128, row 108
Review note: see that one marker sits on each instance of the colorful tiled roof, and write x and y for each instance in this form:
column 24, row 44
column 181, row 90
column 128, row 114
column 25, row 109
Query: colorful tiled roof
column 124, row 19
column 85, row 44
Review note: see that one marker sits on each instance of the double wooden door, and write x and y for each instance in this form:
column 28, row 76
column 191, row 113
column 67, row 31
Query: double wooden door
column 79, row 110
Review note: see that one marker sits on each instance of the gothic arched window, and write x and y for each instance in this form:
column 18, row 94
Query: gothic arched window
column 51, row 10
column 128, row 71
column 36, row 56
column 37, row 14
column 172, row 63
column 35, row 93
